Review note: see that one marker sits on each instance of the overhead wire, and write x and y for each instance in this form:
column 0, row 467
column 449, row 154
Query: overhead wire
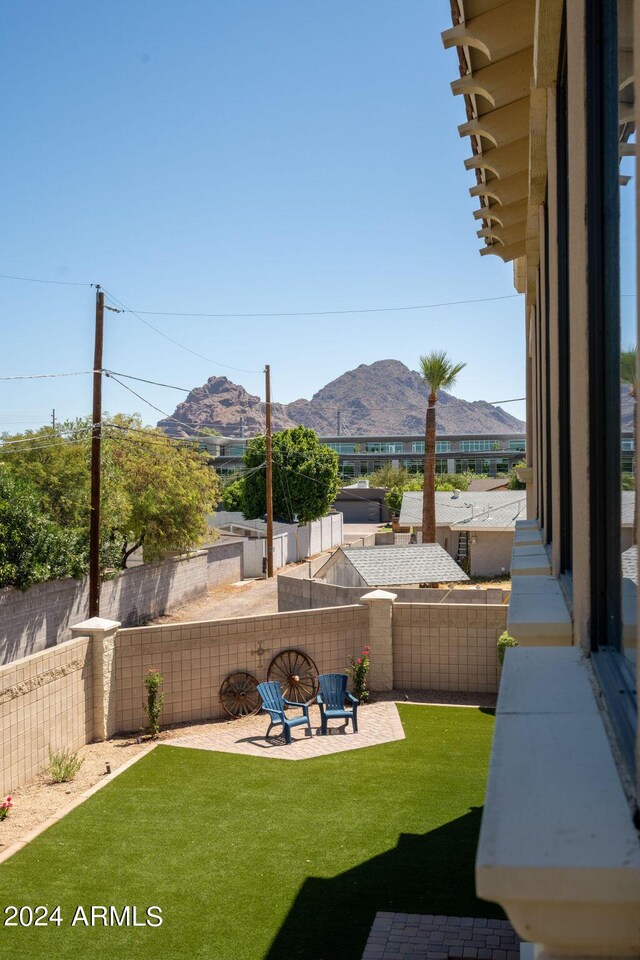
column 327, row 313
column 47, row 376
column 182, row 346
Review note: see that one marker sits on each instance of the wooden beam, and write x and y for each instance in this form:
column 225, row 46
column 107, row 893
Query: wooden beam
column 499, row 33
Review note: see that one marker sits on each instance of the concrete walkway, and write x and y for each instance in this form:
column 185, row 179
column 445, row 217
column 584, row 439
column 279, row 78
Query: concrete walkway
column 377, row 723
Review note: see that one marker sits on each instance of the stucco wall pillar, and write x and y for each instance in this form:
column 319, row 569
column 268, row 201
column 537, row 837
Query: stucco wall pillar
column 103, row 637
column 380, row 603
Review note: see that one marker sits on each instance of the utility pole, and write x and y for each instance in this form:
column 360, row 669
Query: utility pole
column 53, row 419
column 338, row 423
column 96, row 440
column 267, row 377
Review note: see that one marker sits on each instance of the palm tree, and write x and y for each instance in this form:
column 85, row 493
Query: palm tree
column 439, row 373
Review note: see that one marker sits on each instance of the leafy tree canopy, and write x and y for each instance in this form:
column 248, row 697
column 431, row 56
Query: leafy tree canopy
column 305, row 476
column 33, row 547
column 155, row 491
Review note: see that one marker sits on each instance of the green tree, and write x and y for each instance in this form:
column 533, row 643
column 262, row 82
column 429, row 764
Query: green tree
column 155, row 491
column 166, row 490
column 439, row 372
column 33, row 547
column 305, row 476
column 232, row 496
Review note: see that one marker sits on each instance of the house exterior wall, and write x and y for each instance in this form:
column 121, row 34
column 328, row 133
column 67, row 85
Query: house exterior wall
column 490, row 555
column 45, row 703
column 558, row 846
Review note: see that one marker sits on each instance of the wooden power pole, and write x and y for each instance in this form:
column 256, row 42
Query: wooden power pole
column 96, row 441
column 267, row 376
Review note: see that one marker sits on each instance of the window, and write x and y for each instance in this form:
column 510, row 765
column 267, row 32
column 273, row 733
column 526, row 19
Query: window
column 612, row 352
column 479, row 446
column 442, row 466
column 383, row 447
column 564, row 346
column 518, row 445
column 418, row 446
column 627, row 445
column 342, row 447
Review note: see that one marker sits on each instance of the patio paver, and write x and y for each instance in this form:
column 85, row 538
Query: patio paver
column 431, row 937
column 378, row 723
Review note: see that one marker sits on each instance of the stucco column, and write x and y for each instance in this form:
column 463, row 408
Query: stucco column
column 103, row 641
column 380, row 604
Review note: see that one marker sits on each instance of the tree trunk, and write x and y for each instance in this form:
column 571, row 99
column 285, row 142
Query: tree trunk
column 127, row 551
column 429, row 489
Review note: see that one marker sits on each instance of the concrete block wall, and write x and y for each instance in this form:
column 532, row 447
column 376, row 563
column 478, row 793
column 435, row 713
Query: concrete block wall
column 194, row 658
column 42, row 617
column 447, row 647
column 298, row 591
column 45, row 702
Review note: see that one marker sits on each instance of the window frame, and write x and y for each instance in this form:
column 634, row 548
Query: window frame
column 611, row 667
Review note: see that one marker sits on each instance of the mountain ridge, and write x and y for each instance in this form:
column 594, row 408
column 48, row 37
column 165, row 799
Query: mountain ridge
column 383, row 398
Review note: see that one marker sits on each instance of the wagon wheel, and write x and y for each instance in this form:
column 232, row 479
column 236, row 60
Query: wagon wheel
column 239, row 695
column 297, row 673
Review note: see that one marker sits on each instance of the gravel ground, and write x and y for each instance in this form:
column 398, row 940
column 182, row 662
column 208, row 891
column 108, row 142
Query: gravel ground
column 35, row 802
column 249, row 598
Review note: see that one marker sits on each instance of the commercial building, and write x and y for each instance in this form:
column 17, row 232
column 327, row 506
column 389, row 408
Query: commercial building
column 551, row 113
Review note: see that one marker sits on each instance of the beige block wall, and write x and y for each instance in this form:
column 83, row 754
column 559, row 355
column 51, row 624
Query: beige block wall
column 449, row 647
column 45, row 702
column 194, row 658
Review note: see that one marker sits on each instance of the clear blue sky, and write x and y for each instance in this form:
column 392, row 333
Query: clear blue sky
column 239, row 156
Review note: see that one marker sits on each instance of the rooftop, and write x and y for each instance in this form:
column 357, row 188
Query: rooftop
column 468, row 510
column 390, row 565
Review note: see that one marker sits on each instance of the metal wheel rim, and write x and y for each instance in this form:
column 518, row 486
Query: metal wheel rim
column 239, row 695
column 297, row 674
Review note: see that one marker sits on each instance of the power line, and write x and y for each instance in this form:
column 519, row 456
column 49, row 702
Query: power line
column 61, row 283
column 148, row 402
column 516, row 400
column 327, row 313
column 177, row 342
column 155, row 383
column 46, row 376
column 38, row 437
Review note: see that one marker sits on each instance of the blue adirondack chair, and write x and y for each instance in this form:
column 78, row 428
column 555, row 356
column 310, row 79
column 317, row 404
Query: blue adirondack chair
column 331, row 700
column 274, row 704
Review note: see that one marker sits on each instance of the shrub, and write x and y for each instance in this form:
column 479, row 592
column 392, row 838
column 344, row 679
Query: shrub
column 155, row 699
column 505, row 640
column 358, row 671
column 5, row 806
column 64, row 765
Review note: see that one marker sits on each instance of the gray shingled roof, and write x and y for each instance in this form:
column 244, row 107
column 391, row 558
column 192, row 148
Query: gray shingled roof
column 471, row 511
column 419, row 563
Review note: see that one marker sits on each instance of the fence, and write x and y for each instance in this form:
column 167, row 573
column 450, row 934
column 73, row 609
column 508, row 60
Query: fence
column 297, row 590
column 92, row 687
column 41, row 617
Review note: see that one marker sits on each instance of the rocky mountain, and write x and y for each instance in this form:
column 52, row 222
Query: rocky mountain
column 376, row 399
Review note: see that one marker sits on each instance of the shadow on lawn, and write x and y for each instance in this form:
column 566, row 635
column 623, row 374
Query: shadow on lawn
column 425, row 873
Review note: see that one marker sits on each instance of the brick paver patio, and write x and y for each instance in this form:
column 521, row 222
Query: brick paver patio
column 377, row 723
column 395, row 936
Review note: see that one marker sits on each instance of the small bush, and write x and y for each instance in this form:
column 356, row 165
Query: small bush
column 64, row 765
column 359, row 671
column 505, row 640
column 155, row 699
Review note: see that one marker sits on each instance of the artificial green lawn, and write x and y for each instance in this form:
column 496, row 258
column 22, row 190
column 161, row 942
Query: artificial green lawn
column 261, row 859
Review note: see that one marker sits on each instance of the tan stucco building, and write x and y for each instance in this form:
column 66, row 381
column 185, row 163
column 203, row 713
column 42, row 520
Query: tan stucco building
column 551, row 116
